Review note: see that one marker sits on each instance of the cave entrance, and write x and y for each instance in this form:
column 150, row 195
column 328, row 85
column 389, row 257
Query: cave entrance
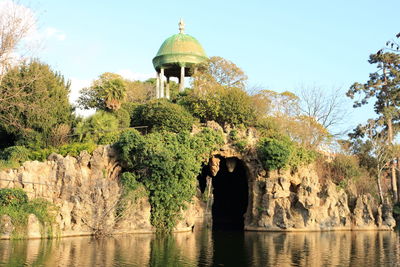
column 230, row 194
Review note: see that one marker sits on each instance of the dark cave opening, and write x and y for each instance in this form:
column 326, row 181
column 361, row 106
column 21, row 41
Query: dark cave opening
column 230, row 195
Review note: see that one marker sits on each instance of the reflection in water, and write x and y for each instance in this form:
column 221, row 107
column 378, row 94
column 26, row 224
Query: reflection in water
column 206, row 248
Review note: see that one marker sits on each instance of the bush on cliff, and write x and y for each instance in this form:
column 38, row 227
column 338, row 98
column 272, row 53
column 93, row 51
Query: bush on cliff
column 278, row 152
column 220, row 104
column 14, row 203
column 167, row 164
column 162, row 115
column 14, row 156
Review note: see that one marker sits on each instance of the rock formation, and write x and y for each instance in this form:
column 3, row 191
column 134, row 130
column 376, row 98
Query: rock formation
column 86, row 191
column 298, row 201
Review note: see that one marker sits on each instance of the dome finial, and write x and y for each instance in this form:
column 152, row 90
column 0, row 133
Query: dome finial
column 181, row 26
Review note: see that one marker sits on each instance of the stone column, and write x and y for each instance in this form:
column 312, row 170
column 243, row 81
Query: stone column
column 162, row 83
column 182, row 80
column 167, row 88
column 158, row 86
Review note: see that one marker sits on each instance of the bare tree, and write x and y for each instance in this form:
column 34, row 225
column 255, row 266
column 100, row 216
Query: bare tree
column 16, row 23
column 382, row 152
column 326, row 107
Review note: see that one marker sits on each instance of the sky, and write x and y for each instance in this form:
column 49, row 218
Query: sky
column 281, row 45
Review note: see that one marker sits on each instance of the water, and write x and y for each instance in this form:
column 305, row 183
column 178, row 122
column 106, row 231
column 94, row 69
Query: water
column 209, row 248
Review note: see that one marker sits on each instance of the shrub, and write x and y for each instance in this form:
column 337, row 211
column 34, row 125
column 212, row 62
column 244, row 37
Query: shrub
column 345, row 167
column 274, row 153
column 123, row 116
column 223, row 105
column 75, row 149
column 239, row 143
column 14, row 203
column 98, row 128
column 161, row 115
column 59, row 134
column 18, row 154
column 12, row 197
column 13, row 157
column 301, row 156
column 279, row 152
column 167, row 164
column 129, row 181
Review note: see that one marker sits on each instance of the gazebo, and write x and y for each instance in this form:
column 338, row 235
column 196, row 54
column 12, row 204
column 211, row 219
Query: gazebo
column 177, row 57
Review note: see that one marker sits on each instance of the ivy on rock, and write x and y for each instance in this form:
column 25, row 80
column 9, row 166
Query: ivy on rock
column 167, row 164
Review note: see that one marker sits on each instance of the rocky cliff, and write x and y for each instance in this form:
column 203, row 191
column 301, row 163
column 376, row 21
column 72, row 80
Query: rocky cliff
column 298, row 201
column 86, row 191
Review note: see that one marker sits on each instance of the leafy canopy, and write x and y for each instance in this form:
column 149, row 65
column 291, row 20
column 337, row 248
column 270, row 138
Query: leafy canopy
column 33, row 100
column 162, row 115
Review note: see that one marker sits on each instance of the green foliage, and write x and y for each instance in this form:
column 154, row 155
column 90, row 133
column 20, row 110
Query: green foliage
column 4, row 164
column 301, row 156
column 129, row 181
column 239, row 143
column 274, row 153
column 132, row 191
column 278, row 152
column 167, row 164
column 345, row 167
column 106, row 93
column 34, row 101
column 221, row 104
column 101, row 128
column 75, row 149
column 12, row 197
column 14, row 203
column 123, row 116
column 18, row 154
column 162, row 115
column 205, row 142
column 43, row 210
column 13, row 157
column 396, row 209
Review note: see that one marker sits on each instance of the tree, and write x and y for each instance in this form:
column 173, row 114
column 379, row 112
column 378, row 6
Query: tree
column 325, row 107
column 284, row 113
column 384, row 86
column 223, row 105
column 391, row 45
column 375, row 152
column 219, row 94
column 106, row 93
column 33, row 100
column 140, row 92
column 162, row 115
column 219, row 71
column 285, row 104
column 97, row 128
column 16, row 23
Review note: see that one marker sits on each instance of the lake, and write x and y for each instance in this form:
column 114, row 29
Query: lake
column 206, row 247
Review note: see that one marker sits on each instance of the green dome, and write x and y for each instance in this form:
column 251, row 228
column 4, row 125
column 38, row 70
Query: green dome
column 179, row 50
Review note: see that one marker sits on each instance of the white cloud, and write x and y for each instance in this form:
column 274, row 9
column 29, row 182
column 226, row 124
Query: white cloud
column 134, row 76
column 51, row 32
column 76, row 86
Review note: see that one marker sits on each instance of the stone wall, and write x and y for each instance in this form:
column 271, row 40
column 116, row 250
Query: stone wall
column 86, row 191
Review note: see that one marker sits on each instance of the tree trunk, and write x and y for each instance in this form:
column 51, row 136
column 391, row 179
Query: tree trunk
column 380, row 187
column 397, row 172
column 392, row 163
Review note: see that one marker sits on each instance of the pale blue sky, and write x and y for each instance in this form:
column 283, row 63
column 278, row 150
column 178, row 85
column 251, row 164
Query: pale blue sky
column 281, row 45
